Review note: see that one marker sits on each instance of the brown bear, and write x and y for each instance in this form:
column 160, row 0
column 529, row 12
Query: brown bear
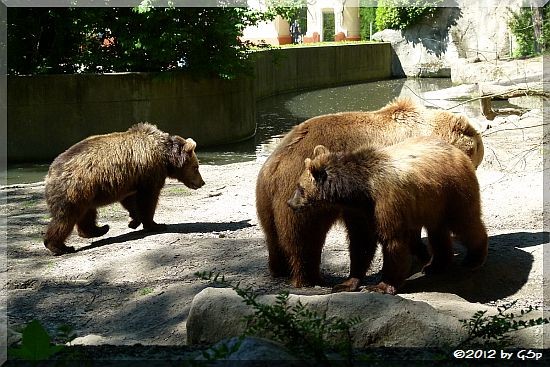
column 295, row 240
column 130, row 167
column 420, row 182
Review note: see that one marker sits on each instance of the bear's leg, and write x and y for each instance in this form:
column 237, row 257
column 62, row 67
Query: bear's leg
column 57, row 232
column 442, row 250
column 419, row 249
column 362, row 246
column 130, row 204
column 303, row 240
column 147, row 200
column 397, row 265
column 277, row 258
column 87, row 226
column 473, row 236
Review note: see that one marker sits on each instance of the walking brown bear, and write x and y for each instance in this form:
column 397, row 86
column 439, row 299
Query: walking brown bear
column 420, row 182
column 130, row 167
column 295, row 240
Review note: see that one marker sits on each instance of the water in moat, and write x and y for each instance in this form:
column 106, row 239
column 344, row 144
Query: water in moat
column 276, row 115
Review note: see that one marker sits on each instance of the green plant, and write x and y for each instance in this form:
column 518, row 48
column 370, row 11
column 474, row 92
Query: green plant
column 36, row 344
column 401, row 14
column 495, row 328
column 298, row 328
column 530, row 39
column 145, row 291
column 206, row 42
column 222, row 351
column 289, row 10
column 367, row 17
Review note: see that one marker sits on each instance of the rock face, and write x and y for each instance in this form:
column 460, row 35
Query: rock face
column 482, row 30
column 412, row 320
column 499, row 72
column 386, row 320
column 425, row 49
column 471, row 29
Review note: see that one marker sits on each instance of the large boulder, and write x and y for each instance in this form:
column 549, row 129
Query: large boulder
column 469, row 30
column 425, row 49
column 386, row 320
column 410, row 320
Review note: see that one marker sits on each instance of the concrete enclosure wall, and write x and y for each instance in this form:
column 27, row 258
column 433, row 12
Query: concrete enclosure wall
column 47, row 114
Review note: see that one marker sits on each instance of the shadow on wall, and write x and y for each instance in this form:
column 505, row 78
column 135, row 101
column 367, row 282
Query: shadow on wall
column 433, row 33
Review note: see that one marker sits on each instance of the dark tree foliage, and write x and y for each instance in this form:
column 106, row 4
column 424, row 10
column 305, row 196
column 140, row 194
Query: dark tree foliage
column 203, row 41
column 531, row 30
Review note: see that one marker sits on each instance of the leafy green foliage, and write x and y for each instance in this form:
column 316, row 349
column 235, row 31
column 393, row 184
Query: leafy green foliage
column 298, row 328
column 202, row 41
column 401, row 14
column 222, row 351
column 287, row 9
column 522, row 26
column 367, row 16
column 496, row 328
column 328, row 27
column 35, row 344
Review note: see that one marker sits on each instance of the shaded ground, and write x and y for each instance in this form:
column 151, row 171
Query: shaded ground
column 133, row 287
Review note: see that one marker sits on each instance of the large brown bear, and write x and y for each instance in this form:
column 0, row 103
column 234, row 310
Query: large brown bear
column 420, row 182
column 130, row 167
column 295, row 240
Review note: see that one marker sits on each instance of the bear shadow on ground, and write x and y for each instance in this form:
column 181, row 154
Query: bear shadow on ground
column 505, row 272
column 198, row 227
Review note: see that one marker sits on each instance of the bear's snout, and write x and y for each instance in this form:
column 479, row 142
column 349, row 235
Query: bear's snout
column 296, row 202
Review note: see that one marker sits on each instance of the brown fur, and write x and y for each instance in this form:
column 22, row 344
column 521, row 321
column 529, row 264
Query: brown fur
column 295, row 241
column 421, row 182
column 130, row 167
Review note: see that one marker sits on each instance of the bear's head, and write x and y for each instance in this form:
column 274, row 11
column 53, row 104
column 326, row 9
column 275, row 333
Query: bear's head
column 312, row 185
column 183, row 164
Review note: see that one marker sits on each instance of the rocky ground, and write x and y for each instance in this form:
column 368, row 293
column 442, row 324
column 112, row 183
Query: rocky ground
column 134, row 287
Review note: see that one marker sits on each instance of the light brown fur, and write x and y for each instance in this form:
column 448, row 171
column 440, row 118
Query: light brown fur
column 295, row 241
column 130, row 167
column 420, row 182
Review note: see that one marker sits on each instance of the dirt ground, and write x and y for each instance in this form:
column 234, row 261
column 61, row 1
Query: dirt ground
column 134, row 287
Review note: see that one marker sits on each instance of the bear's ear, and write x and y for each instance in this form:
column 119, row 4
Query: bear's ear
column 178, row 153
column 320, row 149
column 190, row 145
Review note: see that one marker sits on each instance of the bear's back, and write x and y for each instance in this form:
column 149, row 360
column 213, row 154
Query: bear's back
column 427, row 174
column 110, row 161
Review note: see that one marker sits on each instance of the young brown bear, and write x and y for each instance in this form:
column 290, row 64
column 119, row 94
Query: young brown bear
column 130, row 167
column 420, row 182
column 295, row 240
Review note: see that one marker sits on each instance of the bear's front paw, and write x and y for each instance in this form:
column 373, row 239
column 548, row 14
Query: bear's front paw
column 60, row 249
column 93, row 232
column 299, row 282
column 134, row 223
column 350, row 285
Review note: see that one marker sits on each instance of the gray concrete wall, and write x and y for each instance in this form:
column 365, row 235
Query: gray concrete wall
column 291, row 69
column 49, row 113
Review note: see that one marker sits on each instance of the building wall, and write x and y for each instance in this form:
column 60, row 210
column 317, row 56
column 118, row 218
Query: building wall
column 346, row 20
column 49, row 113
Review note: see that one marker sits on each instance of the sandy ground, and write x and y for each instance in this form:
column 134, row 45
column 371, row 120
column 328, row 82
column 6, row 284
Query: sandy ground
column 133, row 287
